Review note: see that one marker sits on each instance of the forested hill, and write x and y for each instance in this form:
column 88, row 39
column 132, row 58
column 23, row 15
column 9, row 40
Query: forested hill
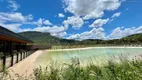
column 44, row 38
column 47, row 39
column 134, row 37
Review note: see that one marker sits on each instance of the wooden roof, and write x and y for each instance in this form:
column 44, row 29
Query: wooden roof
column 8, row 35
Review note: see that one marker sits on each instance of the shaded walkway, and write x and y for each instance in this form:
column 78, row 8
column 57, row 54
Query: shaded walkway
column 26, row 66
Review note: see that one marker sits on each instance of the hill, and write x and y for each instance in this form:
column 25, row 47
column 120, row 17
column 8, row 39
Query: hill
column 134, row 37
column 47, row 39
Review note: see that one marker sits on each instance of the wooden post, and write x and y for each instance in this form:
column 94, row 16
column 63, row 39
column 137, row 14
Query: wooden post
column 18, row 51
column 4, row 55
column 10, row 52
column 24, row 55
column 21, row 52
column 17, row 60
column 25, row 51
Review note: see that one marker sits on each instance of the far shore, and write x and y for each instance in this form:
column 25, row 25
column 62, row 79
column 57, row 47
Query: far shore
column 92, row 48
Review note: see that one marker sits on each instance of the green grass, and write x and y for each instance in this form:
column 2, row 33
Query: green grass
column 123, row 70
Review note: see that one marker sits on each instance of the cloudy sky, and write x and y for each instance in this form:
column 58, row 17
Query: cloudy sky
column 74, row 19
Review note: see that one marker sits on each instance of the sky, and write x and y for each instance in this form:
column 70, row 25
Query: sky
column 74, row 19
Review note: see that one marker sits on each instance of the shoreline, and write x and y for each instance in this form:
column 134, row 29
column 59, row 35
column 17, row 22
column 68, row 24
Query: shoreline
column 90, row 48
column 27, row 65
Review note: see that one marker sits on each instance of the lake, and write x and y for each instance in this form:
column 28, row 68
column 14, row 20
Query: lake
column 98, row 55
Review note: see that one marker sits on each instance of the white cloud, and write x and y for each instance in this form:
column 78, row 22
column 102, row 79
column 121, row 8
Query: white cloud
column 29, row 17
column 61, row 34
column 98, row 33
column 95, row 33
column 12, row 27
column 24, row 30
column 120, row 32
column 14, row 17
column 116, row 14
column 17, row 19
column 58, row 31
column 47, row 22
column 99, row 22
column 91, row 8
column 13, row 5
column 54, row 29
column 42, row 22
column 74, row 21
column 61, row 15
column 13, row 21
column 39, row 22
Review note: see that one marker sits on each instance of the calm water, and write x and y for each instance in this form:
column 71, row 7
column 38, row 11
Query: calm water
column 97, row 54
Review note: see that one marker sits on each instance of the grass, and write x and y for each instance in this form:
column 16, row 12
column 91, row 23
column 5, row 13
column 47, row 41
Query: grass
column 123, row 70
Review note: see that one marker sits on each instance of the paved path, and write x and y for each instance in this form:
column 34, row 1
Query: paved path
column 26, row 66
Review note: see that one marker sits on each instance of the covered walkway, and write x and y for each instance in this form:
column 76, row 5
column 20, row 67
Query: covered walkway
column 13, row 48
column 26, row 66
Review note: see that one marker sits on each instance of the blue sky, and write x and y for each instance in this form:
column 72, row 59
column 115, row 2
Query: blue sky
column 74, row 19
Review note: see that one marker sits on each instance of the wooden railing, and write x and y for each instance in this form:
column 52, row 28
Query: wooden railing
column 7, row 61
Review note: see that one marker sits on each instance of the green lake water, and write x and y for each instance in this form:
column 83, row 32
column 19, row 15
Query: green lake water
column 85, row 56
